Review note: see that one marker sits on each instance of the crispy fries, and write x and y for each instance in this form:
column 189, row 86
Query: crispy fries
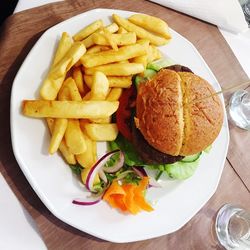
column 102, row 132
column 68, row 156
column 151, row 23
column 58, row 131
column 105, row 57
column 100, row 87
column 119, row 39
column 114, row 81
column 117, row 69
column 140, row 32
column 86, row 79
column 74, row 137
column 69, row 109
column 88, row 30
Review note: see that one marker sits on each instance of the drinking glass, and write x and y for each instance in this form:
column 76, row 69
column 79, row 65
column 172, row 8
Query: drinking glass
column 232, row 227
column 239, row 109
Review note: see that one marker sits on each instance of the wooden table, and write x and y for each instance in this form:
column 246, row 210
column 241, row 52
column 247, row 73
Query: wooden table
column 20, row 33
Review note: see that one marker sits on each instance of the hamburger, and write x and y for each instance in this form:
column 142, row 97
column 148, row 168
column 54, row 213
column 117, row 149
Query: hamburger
column 172, row 118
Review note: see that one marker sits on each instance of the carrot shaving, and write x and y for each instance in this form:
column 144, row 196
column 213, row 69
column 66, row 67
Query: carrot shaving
column 128, row 197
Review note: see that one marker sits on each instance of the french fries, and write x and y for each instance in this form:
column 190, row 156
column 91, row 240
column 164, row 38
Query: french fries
column 69, row 109
column 64, row 46
column 60, row 126
column 100, row 87
column 151, row 23
column 53, row 82
column 72, row 56
column 117, row 69
column 105, row 57
column 86, row 79
column 88, row 30
column 88, row 42
column 50, row 85
column 74, row 137
column 102, row 132
column 120, row 39
column 88, row 158
column 140, row 32
column 77, row 75
column 68, row 156
column 114, row 81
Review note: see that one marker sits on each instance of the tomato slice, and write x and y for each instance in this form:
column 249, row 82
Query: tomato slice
column 124, row 113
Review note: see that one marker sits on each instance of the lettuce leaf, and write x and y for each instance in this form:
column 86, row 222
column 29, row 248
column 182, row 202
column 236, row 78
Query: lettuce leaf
column 178, row 170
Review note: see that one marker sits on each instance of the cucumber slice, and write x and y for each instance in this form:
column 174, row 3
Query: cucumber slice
column 138, row 80
column 149, row 73
column 181, row 170
column 191, row 158
column 159, row 64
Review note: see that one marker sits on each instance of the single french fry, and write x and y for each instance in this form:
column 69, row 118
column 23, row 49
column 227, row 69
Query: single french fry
column 71, row 57
column 140, row 32
column 64, row 94
column 88, row 42
column 85, row 32
column 68, row 156
column 88, row 158
column 117, row 69
column 60, row 124
column 100, row 87
column 121, row 30
column 114, row 81
column 77, row 75
column 114, row 94
column 151, row 23
column 97, row 48
column 102, row 132
column 64, row 45
column 74, row 137
column 50, row 85
column 58, row 131
column 69, row 109
column 119, row 39
column 111, row 56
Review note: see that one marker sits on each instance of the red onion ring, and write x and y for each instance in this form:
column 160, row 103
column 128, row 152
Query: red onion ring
column 117, row 166
column 140, row 171
column 102, row 175
column 95, row 169
column 79, row 201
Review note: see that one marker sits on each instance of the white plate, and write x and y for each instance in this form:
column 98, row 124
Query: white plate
column 52, row 179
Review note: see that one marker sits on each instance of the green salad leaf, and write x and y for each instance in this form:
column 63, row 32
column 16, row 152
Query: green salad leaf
column 178, row 170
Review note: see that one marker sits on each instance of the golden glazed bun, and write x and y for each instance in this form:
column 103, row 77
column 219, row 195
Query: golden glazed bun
column 169, row 118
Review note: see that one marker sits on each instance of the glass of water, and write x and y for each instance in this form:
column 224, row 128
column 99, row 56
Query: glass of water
column 239, row 109
column 233, row 227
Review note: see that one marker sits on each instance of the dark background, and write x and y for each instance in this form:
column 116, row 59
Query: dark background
column 6, row 8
